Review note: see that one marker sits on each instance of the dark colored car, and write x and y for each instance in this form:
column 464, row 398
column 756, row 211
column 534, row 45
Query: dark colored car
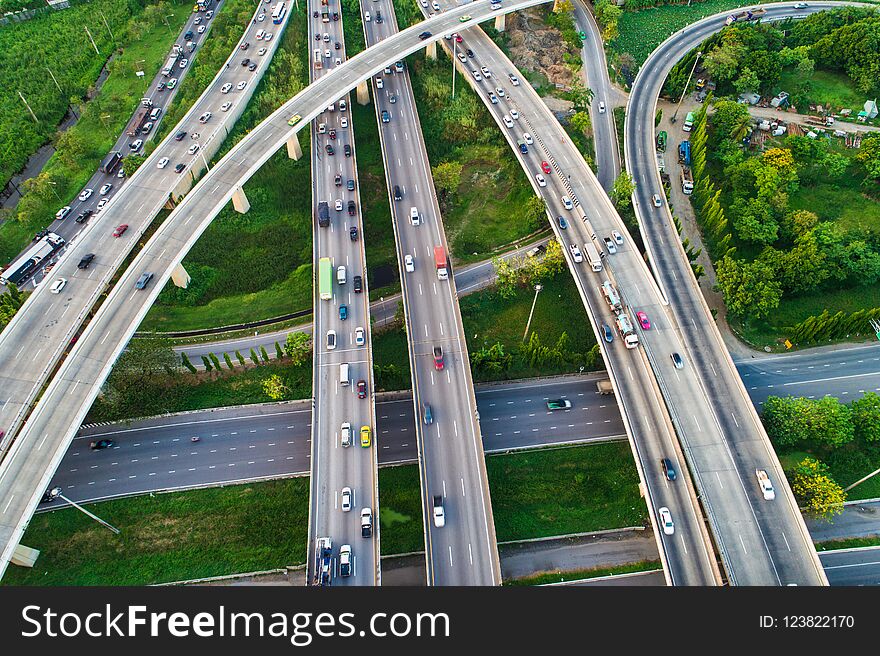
column 84, row 215
column 563, row 224
column 337, row 180
column 425, row 35
column 180, row 135
column 332, row 133
column 85, row 261
column 343, row 312
column 101, row 444
column 350, row 185
column 427, row 416
column 347, row 150
column 362, row 389
column 386, row 117
column 188, row 35
column 252, row 66
column 144, row 280
column 352, row 208
column 398, row 195
column 180, row 167
column 378, row 16
column 245, row 45
column 358, row 284
column 245, row 61
column 336, row 15
column 353, row 233
column 677, row 361
column 470, row 53
column 609, row 336
column 160, row 86
column 668, row 469
column 438, row 358
column 329, row 149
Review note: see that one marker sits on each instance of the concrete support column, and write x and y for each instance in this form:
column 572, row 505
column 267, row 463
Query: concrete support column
column 363, row 93
column 240, row 201
column 170, row 204
column 180, row 277
column 431, row 50
column 294, row 150
column 24, row 556
column 500, row 22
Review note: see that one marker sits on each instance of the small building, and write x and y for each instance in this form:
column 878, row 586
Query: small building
column 780, row 100
column 750, row 98
column 871, row 108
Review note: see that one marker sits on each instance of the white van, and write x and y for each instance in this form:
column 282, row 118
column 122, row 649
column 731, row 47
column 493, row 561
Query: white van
column 155, row 113
column 344, row 377
column 414, row 216
column 340, row 274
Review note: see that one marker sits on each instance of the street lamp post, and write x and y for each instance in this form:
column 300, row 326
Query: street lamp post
column 538, row 289
column 453, row 66
column 53, row 185
column 686, row 85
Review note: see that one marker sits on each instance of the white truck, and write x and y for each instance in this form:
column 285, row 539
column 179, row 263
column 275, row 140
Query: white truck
column 593, row 256
column 611, row 296
column 626, row 330
column 766, row 485
column 439, row 514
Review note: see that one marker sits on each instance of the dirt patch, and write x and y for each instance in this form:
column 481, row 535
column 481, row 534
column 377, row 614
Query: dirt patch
column 537, row 47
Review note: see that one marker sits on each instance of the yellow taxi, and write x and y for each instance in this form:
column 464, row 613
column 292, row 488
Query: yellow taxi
column 294, row 119
column 365, row 437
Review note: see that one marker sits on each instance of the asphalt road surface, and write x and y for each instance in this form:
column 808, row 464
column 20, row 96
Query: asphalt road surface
column 852, row 566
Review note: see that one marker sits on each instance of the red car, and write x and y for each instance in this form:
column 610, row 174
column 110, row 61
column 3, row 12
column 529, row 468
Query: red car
column 643, row 320
column 438, row 358
column 458, row 38
column 120, row 229
column 362, row 389
column 545, row 167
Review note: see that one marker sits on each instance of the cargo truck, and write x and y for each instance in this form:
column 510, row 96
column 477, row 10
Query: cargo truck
column 661, row 141
column 441, row 262
column 140, row 117
column 611, row 296
column 593, row 256
column 687, row 181
column 626, row 330
column 169, row 65
column 688, row 122
column 748, row 15
column 323, row 214
column 325, row 15
column 684, row 153
column 604, row 387
column 112, row 161
column 323, row 562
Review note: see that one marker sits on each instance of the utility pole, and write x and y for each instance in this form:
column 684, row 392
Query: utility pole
column 107, row 25
column 92, row 40
column 54, row 80
column 56, row 494
column 453, row 67
column 538, row 289
column 33, row 116
column 686, row 85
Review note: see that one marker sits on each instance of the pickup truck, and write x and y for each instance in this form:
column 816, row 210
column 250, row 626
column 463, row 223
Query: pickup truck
column 439, row 514
column 766, row 485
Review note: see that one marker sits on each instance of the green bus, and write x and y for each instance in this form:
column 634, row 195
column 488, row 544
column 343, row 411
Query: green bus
column 325, row 278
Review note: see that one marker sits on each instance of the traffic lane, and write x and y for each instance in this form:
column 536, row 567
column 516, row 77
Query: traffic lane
column 852, row 566
column 858, row 520
column 629, row 580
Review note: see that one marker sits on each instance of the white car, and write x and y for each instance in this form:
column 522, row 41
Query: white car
column 408, row 263
column 64, row 211
column 345, row 434
column 617, row 237
column 198, row 19
column 226, row 87
column 514, row 114
column 261, row 18
column 462, row 58
column 105, row 188
column 514, row 80
column 171, row 83
column 666, row 520
column 477, row 76
column 499, row 91
column 193, row 149
column 528, row 138
column 343, row 122
column 331, row 340
column 259, row 34
column 121, row 173
column 346, row 499
column 225, row 106
column 201, row 29
column 102, row 203
column 337, row 61
column 326, row 38
column 204, row 118
column 261, row 52
column 327, row 53
column 135, row 145
column 267, row 36
column 486, row 72
column 338, row 205
column 609, row 245
column 576, row 253
column 541, row 181
column 507, row 121
column 147, row 127
column 656, row 200
column 601, row 107
column 241, row 85
column 183, row 63
column 424, row 3
column 85, row 194
column 359, row 336
column 566, row 203
column 435, row 6
column 162, row 163
column 379, row 83
column 58, row 285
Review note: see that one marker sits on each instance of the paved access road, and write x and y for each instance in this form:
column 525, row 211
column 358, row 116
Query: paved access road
column 759, row 543
column 522, row 116
column 40, row 446
column 452, row 465
column 34, row 341
column 852, row 566
column 334, row 466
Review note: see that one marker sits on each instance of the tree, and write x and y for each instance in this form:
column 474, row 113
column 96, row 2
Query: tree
column 749, row 288
column 581, row 96
column 186, row 363
column 207, row 363
column 215, row 361
column 298, row 348
column 815, row 490
column 263, row 354
column 824, row 423
column 275, row 388
column 10, row 303
column 228, row 361
column 866, row 417
column 869, row 156
column 506, row 277
column 535, row 213
column 608, row 14
column 447, row 178
column 240, row 358
column 747, row 81
column 581, row 122
column 624, row 187
column 730, row 120
column 753, row 220
column 254, row 357
column 279, row 353
column 138, row 385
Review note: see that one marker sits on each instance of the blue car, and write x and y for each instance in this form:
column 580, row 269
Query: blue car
column 343, row 312
column 609, row 336
column 563, row 224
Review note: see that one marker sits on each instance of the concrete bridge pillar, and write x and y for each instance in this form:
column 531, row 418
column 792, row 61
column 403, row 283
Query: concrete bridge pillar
column 180, row 277
column 240, row 202
column 294, row 150
column 170, row 204
column 500, row 22
column 24, row 556
column 363, row 93
column 431, row 50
